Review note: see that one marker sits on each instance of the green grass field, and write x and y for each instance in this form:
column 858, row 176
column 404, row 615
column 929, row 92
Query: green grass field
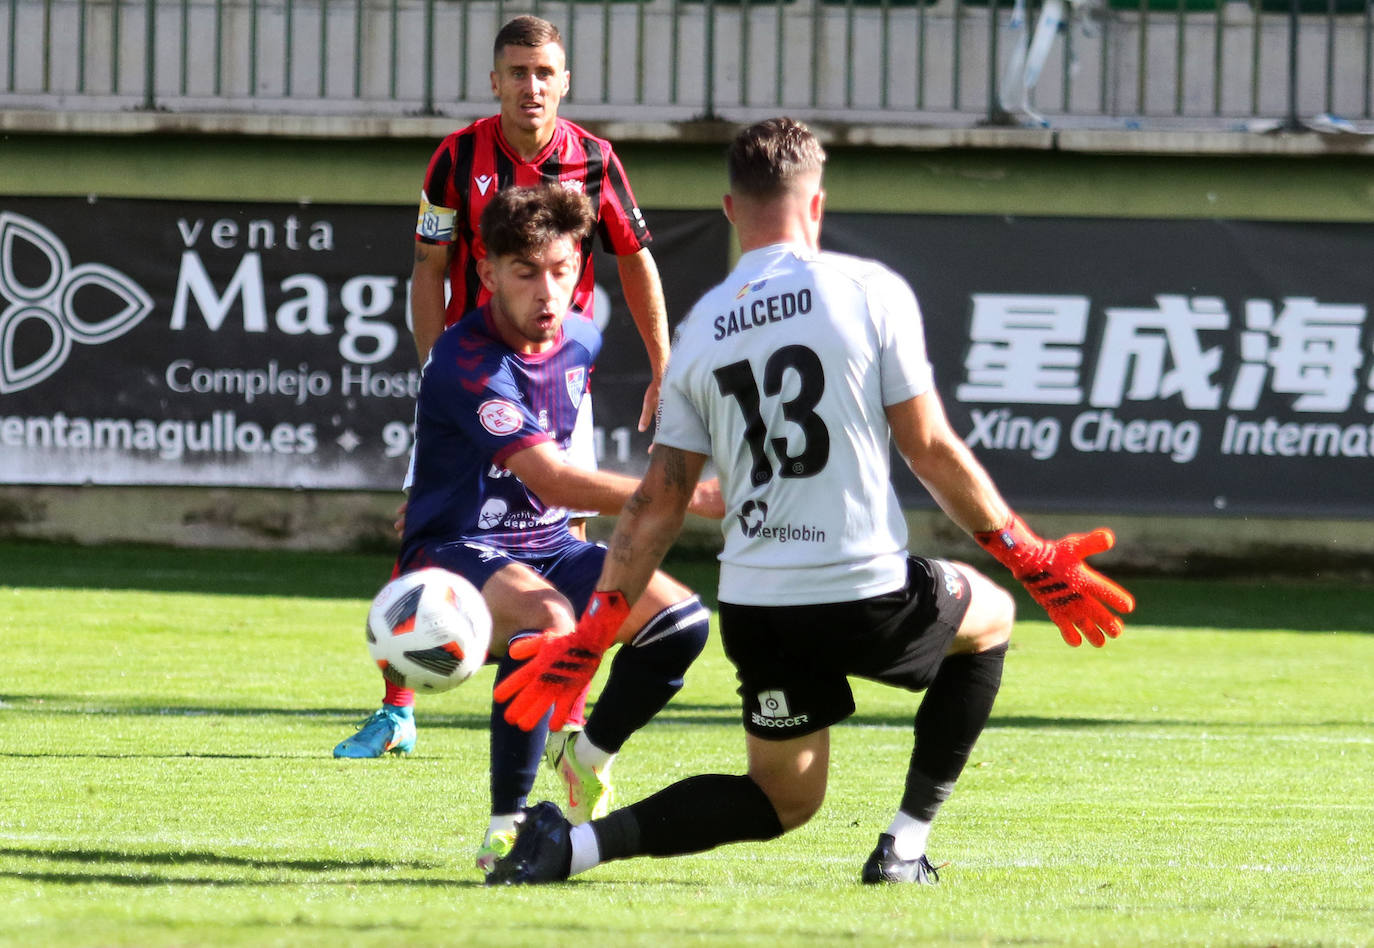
column 166, row 721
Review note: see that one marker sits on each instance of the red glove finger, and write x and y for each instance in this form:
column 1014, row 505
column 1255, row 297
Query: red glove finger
column 1080, row 546
column 561, row 709
column 526, row 711
column 527, row 646
column 1069, row 633
column 1089, row 629
column 1083, row 545
column 532, row 701
column 1088, row 618
column 512, row 683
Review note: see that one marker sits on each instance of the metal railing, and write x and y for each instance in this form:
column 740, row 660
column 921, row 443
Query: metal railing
column 1206, row 63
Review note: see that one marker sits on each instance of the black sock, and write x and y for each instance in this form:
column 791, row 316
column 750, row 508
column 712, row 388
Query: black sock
column 647, row 672
column 690, row 816
column 952, row 714
column 515, row 754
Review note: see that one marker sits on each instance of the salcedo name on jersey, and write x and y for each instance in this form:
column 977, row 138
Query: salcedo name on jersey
column 762, row 311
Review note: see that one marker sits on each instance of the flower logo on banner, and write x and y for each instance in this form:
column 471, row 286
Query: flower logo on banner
column 50, row 305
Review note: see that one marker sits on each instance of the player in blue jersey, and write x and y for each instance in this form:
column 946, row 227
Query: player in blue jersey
column 491, row 493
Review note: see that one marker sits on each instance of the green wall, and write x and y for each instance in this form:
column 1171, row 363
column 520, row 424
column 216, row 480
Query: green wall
column 951, row 180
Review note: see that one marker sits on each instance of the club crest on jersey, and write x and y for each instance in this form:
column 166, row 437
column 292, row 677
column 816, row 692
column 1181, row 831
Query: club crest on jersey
column 499, row 416
column 572, row 184
column 576, row 380
column 484, row 183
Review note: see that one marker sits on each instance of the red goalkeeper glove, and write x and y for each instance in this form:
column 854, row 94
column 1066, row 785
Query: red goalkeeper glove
column 1078, row 598
column 559, row 667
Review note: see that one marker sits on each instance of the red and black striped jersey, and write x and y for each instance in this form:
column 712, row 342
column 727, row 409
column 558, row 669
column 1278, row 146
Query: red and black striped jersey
column 472, row 164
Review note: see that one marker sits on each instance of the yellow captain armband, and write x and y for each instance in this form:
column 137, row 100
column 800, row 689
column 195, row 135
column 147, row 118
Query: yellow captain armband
column 435, row 223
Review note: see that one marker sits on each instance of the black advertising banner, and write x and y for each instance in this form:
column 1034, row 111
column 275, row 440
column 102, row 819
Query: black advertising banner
column 1182, row 366
column 264, row 345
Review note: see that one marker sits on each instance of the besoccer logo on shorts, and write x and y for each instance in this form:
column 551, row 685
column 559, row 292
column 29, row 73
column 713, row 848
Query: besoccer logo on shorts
column 50, row 305
column 774, row 712
column 773, row 704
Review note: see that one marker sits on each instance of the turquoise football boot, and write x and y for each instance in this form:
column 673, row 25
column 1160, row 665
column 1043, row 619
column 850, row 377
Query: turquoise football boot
column 390, row 730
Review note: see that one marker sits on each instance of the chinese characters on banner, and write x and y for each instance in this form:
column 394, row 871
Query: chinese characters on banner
column 1185, row 366
column 1028, row 350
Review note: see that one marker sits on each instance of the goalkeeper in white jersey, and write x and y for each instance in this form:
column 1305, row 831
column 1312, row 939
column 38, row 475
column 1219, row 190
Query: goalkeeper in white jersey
column 793, row 376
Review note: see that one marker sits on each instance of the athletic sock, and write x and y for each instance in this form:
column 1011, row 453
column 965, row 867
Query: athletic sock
column 690, row 816
column 398, row 697
column 909, row 836
column 589, row 755
column 502, row 822
column 952, row 714
column 647, row 672
column 586, row 854
column 515, row 754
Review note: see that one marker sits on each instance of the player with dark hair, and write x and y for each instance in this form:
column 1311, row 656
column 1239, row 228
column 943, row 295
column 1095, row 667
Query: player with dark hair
column 526, row 144
column 793, row 376
column 497, row 404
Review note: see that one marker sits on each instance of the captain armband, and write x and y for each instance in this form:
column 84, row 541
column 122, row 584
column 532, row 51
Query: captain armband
column 435, row 223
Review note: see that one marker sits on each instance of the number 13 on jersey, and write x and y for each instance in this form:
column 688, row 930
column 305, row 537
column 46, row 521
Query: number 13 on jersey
column 737, row 381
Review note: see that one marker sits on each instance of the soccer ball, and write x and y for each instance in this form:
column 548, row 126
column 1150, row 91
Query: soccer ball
column 428, row 630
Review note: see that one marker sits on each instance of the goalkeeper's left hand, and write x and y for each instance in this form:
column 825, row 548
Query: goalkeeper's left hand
column 1078, row 598
column 559, row 667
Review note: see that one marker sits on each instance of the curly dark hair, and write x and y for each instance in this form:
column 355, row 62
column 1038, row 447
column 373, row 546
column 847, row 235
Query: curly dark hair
column 519, row 221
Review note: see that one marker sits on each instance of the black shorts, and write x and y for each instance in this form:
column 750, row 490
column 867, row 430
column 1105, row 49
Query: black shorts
column 793, row 662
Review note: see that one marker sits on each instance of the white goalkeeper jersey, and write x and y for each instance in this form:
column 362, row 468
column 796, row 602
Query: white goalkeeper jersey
column 781, row 374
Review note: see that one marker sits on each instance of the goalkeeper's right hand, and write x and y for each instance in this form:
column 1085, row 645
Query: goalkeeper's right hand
column 1075, row 595
column 559, row 667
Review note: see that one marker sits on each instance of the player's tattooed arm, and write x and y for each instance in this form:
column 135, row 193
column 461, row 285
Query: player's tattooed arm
column 681, row 476
column 439, row 253
column 631, row 546
column 652, row 516
column 675, row 472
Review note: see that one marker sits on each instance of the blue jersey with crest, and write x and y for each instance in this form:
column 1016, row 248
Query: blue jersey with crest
column 481, row 402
